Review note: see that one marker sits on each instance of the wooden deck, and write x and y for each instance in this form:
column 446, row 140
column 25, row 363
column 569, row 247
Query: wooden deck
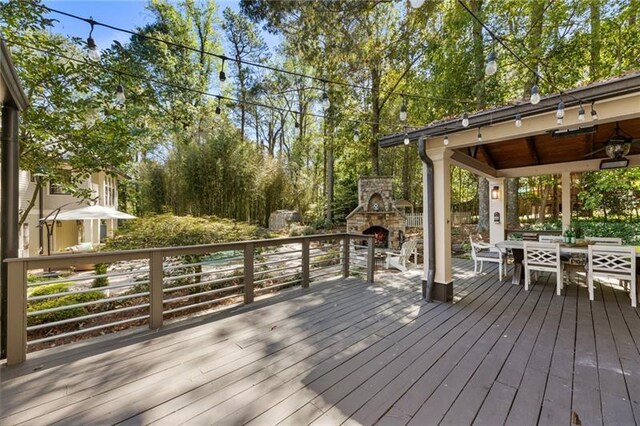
column 353, row 353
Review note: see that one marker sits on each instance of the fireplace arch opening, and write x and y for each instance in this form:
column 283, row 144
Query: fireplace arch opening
column 381, row 236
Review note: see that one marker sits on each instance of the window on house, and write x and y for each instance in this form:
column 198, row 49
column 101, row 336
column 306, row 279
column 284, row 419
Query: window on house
column 55, row 189
column 110, row 191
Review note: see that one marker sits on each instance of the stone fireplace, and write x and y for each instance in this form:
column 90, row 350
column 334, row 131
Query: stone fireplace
column 376, row 214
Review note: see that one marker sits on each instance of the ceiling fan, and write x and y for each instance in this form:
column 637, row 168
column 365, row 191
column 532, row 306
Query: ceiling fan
column 618, row 145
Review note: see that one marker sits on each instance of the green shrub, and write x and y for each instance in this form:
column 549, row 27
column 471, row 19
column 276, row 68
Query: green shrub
column 47, row 289
column 100, row 269
column 71, row 299
column 167, row 230
column 297, row 231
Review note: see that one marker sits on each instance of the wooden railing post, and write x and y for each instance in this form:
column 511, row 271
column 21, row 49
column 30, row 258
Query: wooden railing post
column 305, row 263
column 345, row 257
column 156, row 295
column 371, row 261
column 248, row 272
column 16, row 312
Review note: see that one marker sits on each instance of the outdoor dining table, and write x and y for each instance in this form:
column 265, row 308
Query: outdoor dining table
column 517, row 248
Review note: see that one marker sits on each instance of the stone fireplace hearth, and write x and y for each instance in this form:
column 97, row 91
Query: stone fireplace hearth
column 376, row 213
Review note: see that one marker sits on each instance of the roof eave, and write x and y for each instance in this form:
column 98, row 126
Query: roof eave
column 16, row 96
column 587, row 94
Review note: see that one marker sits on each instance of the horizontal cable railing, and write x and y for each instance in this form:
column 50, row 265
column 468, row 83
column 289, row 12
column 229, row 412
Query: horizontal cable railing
column 148, row 287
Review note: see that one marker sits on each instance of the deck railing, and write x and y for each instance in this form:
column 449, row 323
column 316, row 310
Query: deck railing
column 151, row 286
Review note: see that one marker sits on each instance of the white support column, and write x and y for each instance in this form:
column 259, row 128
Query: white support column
column 497, row 210
column 442, row 221
column 566, row 200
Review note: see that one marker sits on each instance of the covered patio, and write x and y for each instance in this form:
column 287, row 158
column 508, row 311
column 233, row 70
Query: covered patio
column 520, row 140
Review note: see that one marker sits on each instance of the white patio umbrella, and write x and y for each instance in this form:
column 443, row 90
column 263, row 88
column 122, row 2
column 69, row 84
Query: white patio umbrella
column 92, row 212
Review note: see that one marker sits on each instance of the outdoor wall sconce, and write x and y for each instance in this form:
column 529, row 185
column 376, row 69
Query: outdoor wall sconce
column 495, row 193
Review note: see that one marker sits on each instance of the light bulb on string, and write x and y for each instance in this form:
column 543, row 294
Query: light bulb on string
column 446, row 140
column 518, row 120
column 479, row 136
column 120, row 97
column 218, row 109
column 326, row 103
column 222, row 75
column 594, row 114
column 581, row 113
column 92, row 47
column 465, row 120
column 416, row 3
column 492, row 66
column 560, row 110
column 407, row 141
column 356, row 135
column 535, row 95
column 403, row 110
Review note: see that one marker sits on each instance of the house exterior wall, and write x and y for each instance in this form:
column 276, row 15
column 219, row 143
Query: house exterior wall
column 68, row 233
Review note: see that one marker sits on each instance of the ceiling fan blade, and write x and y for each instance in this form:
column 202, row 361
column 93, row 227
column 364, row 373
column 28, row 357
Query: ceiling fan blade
column 594, row 152
column 636, row 140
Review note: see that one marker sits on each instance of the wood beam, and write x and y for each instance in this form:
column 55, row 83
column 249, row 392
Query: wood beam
column 488, row 156
column 559, row 168
column 474, row 151
column 533, row 152
column 474, row 166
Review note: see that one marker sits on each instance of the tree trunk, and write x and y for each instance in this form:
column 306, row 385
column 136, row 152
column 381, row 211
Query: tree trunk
column 535, row 41
column 405, row 174
column 543, row 203
column 596, row 41
column 375, row 126
column 513, row 218
column 483, row 205
column 478, row 54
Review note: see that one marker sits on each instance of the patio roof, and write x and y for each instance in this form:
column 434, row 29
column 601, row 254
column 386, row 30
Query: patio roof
column 11, row 92
column 507, row 151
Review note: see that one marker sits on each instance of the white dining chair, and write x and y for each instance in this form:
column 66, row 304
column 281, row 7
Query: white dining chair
column 610, row 241
column 607, row 261
column 484, row 252
column 544, row 257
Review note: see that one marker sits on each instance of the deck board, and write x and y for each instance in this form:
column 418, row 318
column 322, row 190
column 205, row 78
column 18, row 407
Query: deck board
column 355, row 353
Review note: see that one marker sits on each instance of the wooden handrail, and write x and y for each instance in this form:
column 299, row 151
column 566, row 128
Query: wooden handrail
column 18, row 267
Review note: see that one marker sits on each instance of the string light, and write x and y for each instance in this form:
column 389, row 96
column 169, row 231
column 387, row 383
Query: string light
column 560, row 113
column 94, row 53
column 535, row 95
column 446, row 140
column 518, row 120
column 356, row 135
column 403, row 110
column 594, row 114
column 218, row 110
column 479, row 135
column 581, row 113
column 237, row 60
column 465, row 120
column 222, row 76
column 175, row 86
column 492, row 65
column 120, row 97
column 326, row 102
column 407, row 141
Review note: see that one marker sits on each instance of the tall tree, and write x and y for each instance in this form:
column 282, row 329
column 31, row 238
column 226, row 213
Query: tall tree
column 246, row 44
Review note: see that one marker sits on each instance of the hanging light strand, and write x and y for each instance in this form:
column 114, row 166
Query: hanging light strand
column 238, row 60
column 185, row 89
column 92, row 47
